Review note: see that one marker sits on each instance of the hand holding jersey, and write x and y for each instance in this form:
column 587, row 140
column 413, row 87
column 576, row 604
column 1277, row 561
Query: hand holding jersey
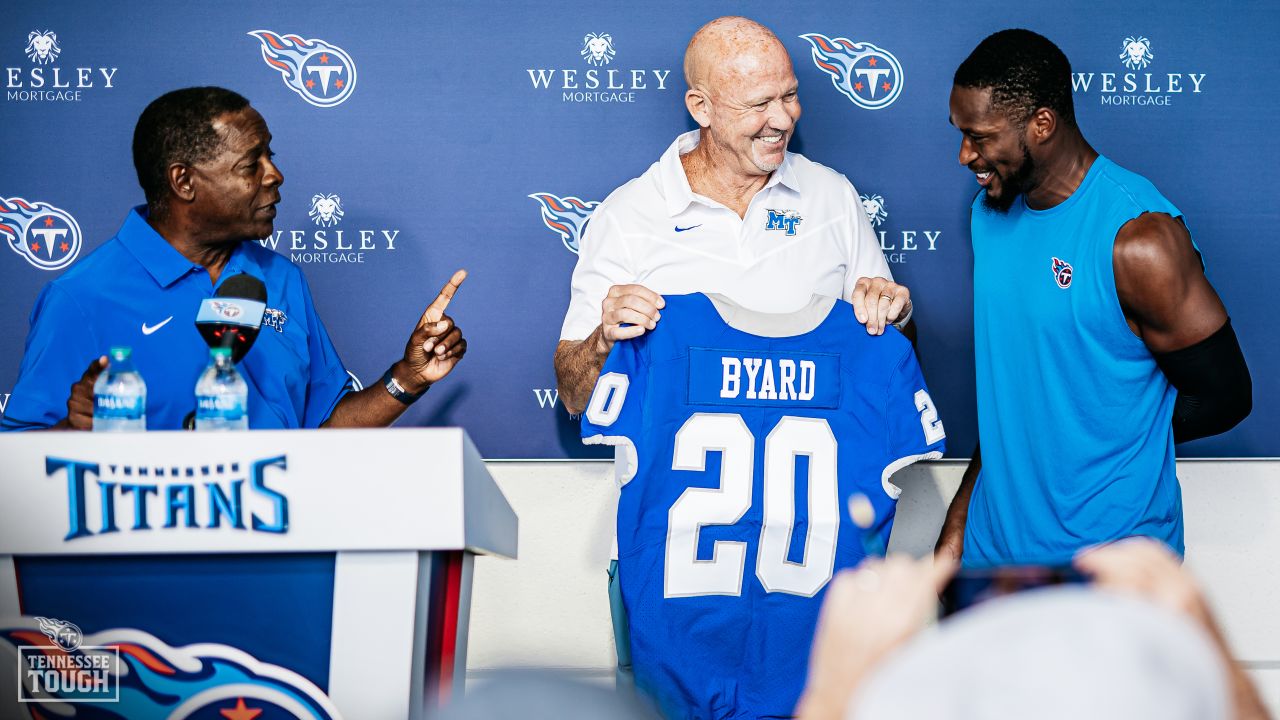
column 628, row 311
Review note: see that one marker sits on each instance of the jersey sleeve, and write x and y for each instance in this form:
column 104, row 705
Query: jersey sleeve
column 60, row 345
column 603, row 262
column 914, row 429
column 614, row 413
column 865, row 257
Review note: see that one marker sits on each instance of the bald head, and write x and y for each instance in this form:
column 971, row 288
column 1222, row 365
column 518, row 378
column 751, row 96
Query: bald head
column 744, row 96
column 731, row 46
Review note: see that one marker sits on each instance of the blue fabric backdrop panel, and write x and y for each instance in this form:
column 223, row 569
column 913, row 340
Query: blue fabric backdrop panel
column 481, row 134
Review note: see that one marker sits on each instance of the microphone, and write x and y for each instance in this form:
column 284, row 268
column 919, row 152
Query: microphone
column 233, row 316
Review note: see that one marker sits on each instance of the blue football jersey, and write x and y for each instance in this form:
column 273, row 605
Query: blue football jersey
column 748, row 436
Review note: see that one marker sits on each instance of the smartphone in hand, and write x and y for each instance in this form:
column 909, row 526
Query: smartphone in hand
column 971, row 586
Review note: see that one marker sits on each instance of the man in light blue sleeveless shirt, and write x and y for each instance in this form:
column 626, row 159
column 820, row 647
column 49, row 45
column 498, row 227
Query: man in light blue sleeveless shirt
column 1099, row 342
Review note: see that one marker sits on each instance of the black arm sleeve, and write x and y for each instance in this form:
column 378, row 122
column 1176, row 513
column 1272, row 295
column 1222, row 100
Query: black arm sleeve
column 1215, row 391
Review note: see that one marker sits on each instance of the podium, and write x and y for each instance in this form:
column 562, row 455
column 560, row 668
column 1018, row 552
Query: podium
column 275, row 574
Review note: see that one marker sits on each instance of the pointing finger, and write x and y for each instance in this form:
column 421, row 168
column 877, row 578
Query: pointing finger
column 437, row 307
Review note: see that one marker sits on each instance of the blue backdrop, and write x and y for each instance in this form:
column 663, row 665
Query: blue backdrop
column 480, row 134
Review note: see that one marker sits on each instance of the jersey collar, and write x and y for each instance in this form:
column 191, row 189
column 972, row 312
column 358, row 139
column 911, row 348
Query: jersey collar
column 675, row 184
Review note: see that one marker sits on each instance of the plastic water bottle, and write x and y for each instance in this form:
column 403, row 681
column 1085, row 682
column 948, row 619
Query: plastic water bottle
column 222, row 398
column 119, row 395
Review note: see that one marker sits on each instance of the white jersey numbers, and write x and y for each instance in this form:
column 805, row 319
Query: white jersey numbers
column 933, row 431
column 686, row 575
column 607, row 398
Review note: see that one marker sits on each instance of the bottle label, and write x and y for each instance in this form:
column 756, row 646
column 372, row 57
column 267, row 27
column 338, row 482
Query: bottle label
column 224, row 406
column 114, row 406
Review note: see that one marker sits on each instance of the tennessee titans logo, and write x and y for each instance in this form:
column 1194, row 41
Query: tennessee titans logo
column 225, row 309
column 869, row 76
column 65, row 635
column 153, row 679
column 42, row 47
column 597, row 49
column 46, row 236
column 1136, row 54
column 322, row 74
column 1062, row 273
column 566, row 216
column 873, row 206
column 326, row 210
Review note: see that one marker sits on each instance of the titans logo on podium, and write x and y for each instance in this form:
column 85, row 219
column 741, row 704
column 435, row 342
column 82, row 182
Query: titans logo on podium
column 565, row 216
column 321, row 73
column 45, row 236
column 869, row 76
column 111, row 498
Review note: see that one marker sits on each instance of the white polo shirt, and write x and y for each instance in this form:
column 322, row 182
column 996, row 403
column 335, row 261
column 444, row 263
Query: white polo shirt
column 805, row 233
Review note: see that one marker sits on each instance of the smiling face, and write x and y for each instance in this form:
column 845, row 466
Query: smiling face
column 753, row 108
column 236, row 190
column 993, row 147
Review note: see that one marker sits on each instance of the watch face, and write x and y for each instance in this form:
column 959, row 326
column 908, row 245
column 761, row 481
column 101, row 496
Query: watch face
column 397, row 391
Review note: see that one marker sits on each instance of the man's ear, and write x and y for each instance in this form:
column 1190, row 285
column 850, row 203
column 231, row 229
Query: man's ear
column 1043, row 125
column 180, row 182
column 699, row 106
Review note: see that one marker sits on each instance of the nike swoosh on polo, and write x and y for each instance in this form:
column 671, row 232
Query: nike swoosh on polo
column 680, row 229
column 148, row 329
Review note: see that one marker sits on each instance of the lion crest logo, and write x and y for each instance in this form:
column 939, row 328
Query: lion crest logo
column 597, row 49
column 1061, row 272
column 1136, row 54
column 873, row 206
column 42, row 47
column 326, row 210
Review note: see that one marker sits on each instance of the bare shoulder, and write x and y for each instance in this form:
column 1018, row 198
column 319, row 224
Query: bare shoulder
column 1161, row 285
column 1154, row 246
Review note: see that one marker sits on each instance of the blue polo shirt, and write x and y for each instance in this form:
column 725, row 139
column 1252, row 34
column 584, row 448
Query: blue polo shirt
column 137, row 290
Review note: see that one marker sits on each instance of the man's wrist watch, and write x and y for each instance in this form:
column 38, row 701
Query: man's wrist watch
column 397, row 391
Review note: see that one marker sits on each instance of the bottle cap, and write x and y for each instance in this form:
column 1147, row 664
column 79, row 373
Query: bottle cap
column 219, row 352
column 120, row 352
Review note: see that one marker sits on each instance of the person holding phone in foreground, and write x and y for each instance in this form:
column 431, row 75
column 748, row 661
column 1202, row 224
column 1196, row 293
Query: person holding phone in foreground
column 1137, row 641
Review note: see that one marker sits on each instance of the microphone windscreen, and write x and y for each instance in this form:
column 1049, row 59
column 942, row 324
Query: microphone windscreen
column 243, row 285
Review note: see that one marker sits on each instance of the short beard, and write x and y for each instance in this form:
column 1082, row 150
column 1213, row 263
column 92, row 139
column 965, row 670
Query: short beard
column 1013, row 186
